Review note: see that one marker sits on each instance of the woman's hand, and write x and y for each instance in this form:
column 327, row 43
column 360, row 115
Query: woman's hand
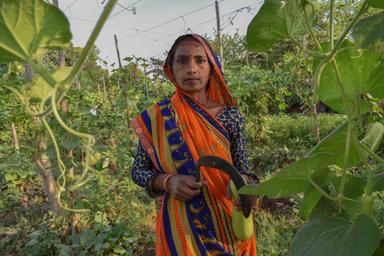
column 184, row 187
column 255, row 200
column 254, row 203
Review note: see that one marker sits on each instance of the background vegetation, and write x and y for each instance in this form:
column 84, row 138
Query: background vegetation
column 272, row 89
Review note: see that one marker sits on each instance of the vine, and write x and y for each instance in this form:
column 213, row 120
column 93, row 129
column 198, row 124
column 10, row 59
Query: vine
column 59, row 82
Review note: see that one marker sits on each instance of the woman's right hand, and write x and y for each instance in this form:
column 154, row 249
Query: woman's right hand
column 184, row 187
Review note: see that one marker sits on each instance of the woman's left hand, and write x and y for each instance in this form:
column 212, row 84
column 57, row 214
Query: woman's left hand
column 255, row 200
column 254, row 203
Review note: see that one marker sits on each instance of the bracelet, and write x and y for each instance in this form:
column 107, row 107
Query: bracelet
column 169, row 175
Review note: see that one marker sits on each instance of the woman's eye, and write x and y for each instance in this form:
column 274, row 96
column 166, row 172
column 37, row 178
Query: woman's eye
column 200, row 61
column 181, row 61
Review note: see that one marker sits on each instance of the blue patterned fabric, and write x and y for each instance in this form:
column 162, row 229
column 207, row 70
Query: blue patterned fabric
column 143, row 172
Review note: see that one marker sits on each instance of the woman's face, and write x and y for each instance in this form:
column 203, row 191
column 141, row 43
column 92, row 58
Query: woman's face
column 191, row 67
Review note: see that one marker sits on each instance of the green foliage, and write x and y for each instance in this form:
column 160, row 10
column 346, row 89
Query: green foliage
column 285, row 138
column 120, row 220
column 369, row 31
column 376, row 3
column 274, row 232
column 361, row 72
column 23, row 34
column 234, row 49
column 279, row 20
column 323, row 227
column 338, row 171
column 47, row 28
column 259, row 91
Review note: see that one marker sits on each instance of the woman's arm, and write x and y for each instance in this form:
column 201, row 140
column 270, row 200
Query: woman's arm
column 143, row 173
column 181, row 187
column 233, row 121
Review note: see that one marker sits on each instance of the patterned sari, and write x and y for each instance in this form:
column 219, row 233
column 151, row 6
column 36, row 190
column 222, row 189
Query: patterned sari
column 176, row 133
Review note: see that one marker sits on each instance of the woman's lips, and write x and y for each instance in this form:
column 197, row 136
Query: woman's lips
column 191, row 79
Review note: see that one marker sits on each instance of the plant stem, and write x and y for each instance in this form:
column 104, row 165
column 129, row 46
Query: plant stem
column 84, row 53
column 315, row 92
column 43, row 73
column 348, row 29
column 316, row 80
column 339, row 82
column 346, row 162
column 333, row 52
column 351, row 199
column 312, row 33
column 372, row 154
column 90, row 138
column 331, row 32
column 58, row 156
column 324, row 193
column 87, row 136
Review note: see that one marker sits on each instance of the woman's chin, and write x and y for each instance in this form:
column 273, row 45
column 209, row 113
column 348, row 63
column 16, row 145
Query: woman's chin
column 193, row 88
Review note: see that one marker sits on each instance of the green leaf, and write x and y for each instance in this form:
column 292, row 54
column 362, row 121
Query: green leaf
column 26, row 26
column 291, row 180
column 374, row 136
column 361, row 72
column 354, row 188
column 278, row 20
column 87, row 238
column 41, row 90
column 378, row 182
column 334, row 145
column 311, row 197
column 370, row 31
column 11, row 177
column 337, row 236
column 376, row 3
column 380, row 250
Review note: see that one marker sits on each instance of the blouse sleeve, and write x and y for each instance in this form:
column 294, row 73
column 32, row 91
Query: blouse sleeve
column 232, row 119
column 143, row 172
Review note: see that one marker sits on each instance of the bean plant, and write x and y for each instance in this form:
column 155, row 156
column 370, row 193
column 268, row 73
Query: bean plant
column 26, row 27
column 339, row 177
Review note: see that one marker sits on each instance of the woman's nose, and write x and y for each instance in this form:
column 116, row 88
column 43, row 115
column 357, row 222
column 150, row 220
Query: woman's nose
column 191, row 68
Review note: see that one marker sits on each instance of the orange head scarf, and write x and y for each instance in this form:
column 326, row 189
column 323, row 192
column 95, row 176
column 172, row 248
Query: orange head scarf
column 218, row 90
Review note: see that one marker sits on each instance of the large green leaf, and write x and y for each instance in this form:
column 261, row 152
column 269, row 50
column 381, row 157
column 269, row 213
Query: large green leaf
column 380, row 250
column 40, row 90
column 370, row 31
column 354, row 188
column 334, row 145
column 336, row 235
column 378, row 182
column 292, row 179
column 278, row 20
column 361, row 71
column 27, row 25
column 376, row 3
column 311, row 197
column 374, row 136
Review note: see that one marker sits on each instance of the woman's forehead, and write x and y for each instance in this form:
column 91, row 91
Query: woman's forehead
column 190, row 47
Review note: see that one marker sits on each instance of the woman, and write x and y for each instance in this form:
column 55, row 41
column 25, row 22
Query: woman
column 202, row 118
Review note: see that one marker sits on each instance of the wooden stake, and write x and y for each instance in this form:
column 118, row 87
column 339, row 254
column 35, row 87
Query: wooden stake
column 118, row 52
column 219, row 41
column 15, row 141
column 60, row 53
